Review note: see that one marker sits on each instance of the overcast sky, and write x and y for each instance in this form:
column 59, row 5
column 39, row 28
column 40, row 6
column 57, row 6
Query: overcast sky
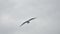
column 15, row 12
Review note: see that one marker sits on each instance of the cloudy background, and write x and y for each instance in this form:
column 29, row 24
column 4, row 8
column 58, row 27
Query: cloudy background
column 15, row 12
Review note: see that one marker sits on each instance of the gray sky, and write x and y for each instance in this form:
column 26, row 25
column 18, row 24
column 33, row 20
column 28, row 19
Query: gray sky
column 15, row 12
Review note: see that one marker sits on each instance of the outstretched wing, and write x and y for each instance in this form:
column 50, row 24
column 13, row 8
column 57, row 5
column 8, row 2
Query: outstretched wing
column 22, row 24
column 31, row 19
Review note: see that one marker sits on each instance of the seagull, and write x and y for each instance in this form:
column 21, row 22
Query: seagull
column 28, row 21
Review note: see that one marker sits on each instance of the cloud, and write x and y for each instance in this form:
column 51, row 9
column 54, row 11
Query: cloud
column 46, row 11
column 7, row 23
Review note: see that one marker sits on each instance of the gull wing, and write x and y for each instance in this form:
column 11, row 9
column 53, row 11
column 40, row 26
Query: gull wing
column 31, row 19
column 22, row 24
